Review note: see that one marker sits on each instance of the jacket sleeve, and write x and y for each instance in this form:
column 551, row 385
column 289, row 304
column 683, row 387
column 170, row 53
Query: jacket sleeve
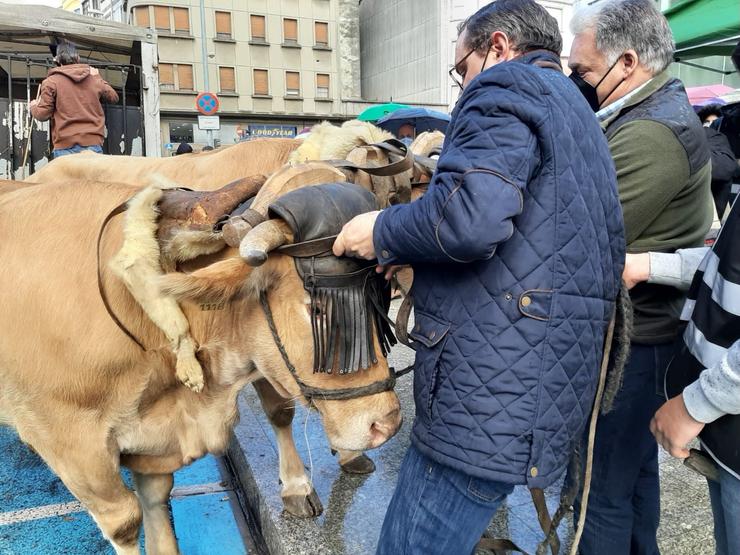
column 475, row 192
column 107, row 93
column 717, row 391
column 676, row 269
column 47, row 101
column 723, row 159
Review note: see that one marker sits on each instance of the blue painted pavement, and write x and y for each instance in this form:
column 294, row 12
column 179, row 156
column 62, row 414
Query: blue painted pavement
column 39, row 516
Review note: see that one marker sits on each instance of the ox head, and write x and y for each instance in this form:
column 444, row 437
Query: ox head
column 316, row 330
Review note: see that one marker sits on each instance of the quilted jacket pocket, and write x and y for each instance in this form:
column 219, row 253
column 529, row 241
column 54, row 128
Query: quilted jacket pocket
column 429, row 332
column 535, row 303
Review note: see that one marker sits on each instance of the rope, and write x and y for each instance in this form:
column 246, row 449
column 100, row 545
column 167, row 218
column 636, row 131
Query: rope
column 592, row 436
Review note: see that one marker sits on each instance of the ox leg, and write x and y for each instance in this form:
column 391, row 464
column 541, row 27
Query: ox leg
column 91, row 473
column 299, row 497
column 154, row 495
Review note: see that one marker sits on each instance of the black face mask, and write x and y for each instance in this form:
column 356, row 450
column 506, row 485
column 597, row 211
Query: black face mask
column 589, row 91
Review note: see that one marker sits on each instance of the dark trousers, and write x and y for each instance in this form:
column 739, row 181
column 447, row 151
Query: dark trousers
column 624, row 505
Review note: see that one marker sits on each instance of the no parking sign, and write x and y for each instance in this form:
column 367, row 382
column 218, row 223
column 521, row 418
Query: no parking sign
column 207, row 103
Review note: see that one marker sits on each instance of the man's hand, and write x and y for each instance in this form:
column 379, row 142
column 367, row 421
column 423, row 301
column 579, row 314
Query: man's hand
column 636, row 269
column 33, row 104
column 356, row 238
column 674, row 427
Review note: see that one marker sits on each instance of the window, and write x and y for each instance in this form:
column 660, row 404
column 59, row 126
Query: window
column 321, row 33
column 166, row 77
column 290, row 31
column 181, row 132
column 227, row 79
column 141, row 16
column 166, row 19
column 182, row 21
column 175, row 77
column 162, row 18
column 223, row 25
column 292, row 83
column 261, row 82
column 322, row 85
column 257, row 25
column 185, row 77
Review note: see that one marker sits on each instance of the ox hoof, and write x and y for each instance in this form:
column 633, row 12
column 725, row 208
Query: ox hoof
column 359, row 465
column 304, row 506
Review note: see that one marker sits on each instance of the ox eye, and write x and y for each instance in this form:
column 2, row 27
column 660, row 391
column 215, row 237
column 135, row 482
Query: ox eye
column 314, row 311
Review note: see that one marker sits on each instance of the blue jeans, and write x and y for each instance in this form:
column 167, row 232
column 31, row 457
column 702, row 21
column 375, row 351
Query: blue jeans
column 436, row 509
column 624, row 505
column 75, row 149
column 725, row 497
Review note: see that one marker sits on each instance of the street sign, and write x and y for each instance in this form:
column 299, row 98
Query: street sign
column 207, row 103
column 206, row 123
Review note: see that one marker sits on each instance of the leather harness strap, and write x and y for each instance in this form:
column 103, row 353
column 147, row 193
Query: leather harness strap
column 392, row 146
column 120, row 209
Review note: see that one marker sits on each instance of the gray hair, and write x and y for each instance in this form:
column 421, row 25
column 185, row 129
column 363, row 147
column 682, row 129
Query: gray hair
column 526, row 23
column 66, row 54
column 621, row 25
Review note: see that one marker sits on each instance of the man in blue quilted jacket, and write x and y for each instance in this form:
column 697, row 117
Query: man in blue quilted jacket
column 517, row 250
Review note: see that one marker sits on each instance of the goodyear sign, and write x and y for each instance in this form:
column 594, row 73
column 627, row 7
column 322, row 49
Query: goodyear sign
column 280, row 131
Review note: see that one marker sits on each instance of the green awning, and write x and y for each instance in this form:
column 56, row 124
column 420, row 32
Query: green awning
column 704, row 27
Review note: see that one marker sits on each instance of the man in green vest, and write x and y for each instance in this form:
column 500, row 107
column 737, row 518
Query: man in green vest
column 619, row 60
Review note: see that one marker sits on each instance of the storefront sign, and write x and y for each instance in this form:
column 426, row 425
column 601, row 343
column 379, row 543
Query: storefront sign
column 284, row 131
column 206, row 123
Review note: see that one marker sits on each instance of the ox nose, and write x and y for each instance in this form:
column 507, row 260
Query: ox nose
column 385, row 428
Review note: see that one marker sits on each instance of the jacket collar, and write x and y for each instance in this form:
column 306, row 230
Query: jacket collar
column 541, row 58
column 647, row 90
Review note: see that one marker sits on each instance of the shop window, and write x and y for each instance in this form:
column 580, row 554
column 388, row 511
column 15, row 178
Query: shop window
column 261, row 83
column 227, row 79
column 257, row 27
column 292, row 83
column 223, row 25
column 321, row 33
column 290, row 31
column 181, row 132
column 322, row 85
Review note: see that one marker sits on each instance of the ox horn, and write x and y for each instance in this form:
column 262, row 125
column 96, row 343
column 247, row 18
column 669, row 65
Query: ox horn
column 264, row 238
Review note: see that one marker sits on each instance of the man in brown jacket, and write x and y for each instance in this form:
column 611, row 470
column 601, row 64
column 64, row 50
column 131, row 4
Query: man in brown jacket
column 71, row 97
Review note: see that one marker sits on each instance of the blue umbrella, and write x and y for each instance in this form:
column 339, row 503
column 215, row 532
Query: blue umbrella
column 421, row 119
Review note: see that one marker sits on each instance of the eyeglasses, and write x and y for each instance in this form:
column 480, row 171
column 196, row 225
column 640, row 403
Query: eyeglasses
column 455, row 75
column 458, row 77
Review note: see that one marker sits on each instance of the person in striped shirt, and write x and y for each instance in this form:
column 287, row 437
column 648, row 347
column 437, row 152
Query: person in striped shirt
column 703, row 379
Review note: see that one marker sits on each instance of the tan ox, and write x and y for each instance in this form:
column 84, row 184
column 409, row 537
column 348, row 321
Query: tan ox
column 211, row 170
column 205, row 171
column 88, row 400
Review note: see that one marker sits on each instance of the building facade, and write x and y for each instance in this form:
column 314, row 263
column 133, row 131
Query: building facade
column 276, row 66
column 408, row 46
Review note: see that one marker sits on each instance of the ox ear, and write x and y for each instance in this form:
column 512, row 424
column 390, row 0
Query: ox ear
column 220, row 281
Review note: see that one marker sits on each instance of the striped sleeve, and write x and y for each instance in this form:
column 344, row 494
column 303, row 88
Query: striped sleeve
column 717, row 391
